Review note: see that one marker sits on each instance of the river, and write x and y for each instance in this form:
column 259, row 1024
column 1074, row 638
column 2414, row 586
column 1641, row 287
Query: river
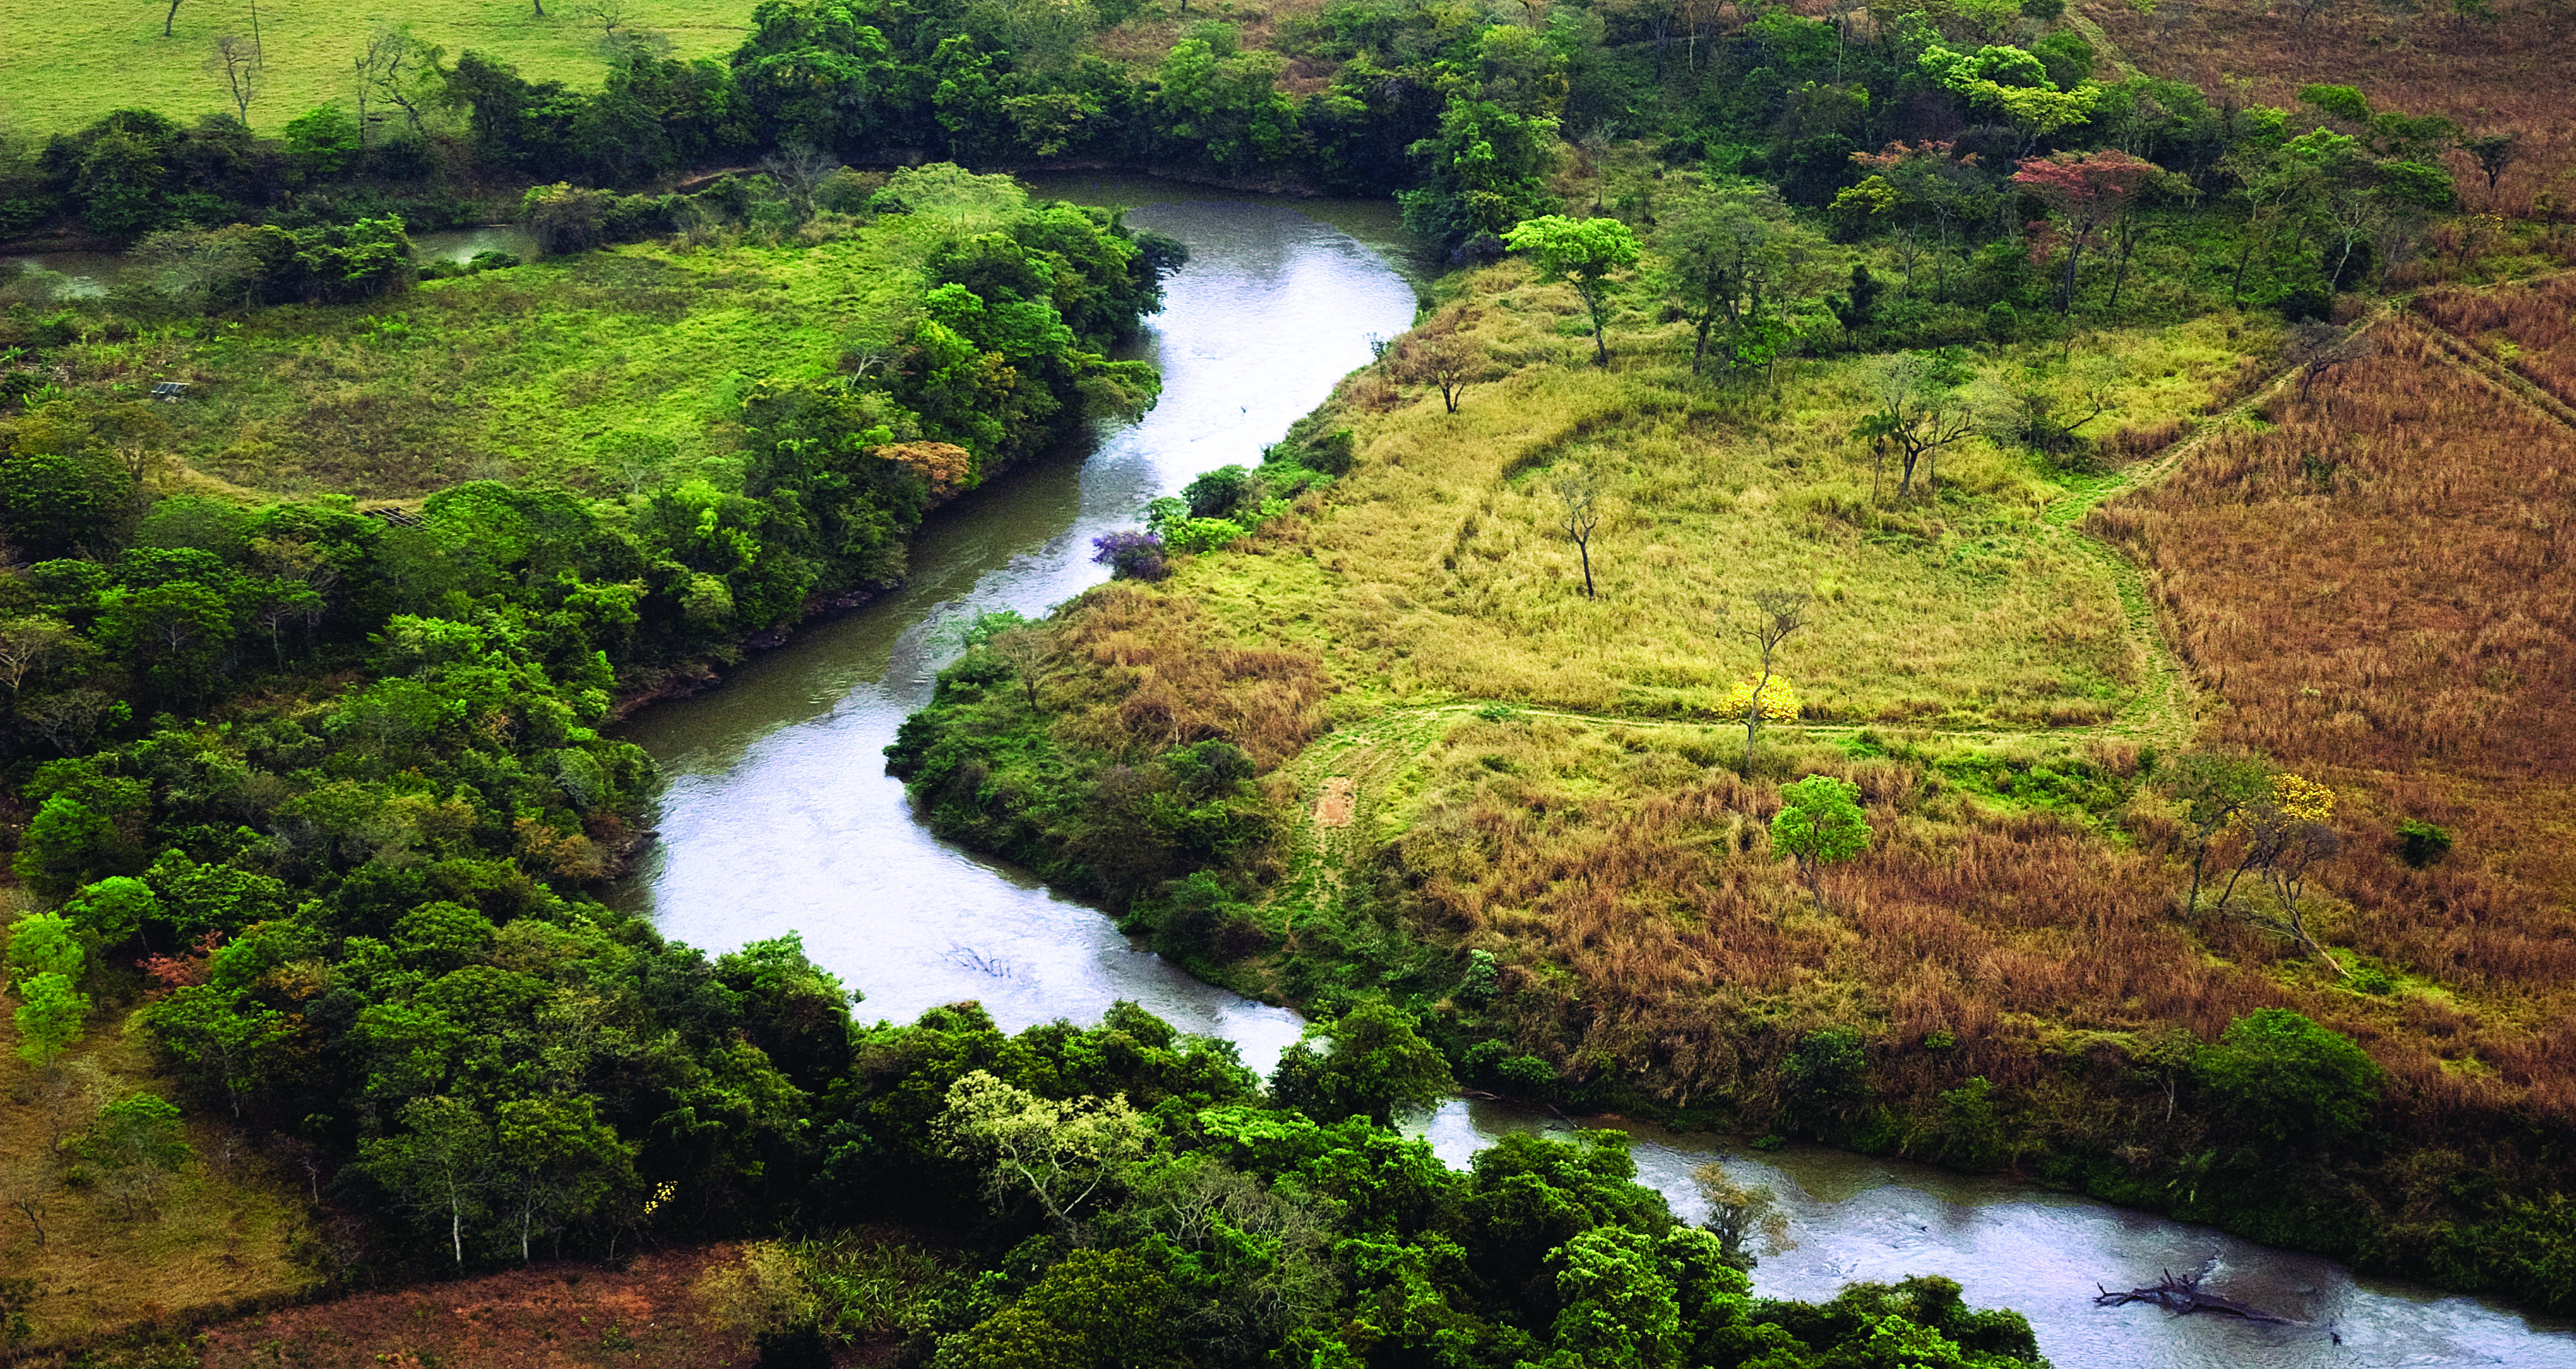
column 779, row 817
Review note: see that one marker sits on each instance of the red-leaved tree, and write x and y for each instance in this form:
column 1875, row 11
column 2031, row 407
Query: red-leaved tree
column 2089, row 195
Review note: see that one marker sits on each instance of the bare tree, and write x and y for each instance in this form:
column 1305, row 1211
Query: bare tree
column 610, row 15
column 1920, row 411
column 1444, row 360
column 236, row 59
column 171, row 18
column 1740, row 1216
column 798, row 169
column 1776, row 614
column 392, row 68
column 1580, row 496
column 2319, row 348
column 1027, row 652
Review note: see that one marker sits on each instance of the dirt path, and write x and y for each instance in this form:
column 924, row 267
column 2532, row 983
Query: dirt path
column 2466, row 355
column 1357, row 780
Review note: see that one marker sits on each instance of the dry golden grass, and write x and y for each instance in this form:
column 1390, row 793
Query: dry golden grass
column 1437, row 570
column 2379, row 590
column 219, row 1236
column 2531, row 327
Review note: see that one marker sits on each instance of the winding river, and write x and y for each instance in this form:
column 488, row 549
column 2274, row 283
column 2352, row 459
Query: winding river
column 780, row 817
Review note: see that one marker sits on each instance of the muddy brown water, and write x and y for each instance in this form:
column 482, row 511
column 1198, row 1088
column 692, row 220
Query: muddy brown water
column 779, row 817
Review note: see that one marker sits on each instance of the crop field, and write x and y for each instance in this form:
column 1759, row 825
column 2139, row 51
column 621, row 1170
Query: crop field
column 64, row 65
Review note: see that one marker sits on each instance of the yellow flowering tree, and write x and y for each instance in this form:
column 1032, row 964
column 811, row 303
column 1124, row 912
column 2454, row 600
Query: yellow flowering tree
column 2286, row 832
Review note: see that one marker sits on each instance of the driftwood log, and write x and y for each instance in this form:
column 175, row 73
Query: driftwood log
column 2183, row 1297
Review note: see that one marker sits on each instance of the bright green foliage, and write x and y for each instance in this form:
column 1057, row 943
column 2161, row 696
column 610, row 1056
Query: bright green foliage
column 1095, row 1310
column 1586, row 253
column 111, row 911
column 1819, row 823
column 44, row 943
column 50, row 1018
column 2285, row 1080
column 139, row 1129
column 1369, row 1062
column 223, row 1035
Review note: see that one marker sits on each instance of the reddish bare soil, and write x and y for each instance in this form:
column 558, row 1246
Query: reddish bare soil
column 549, row 1316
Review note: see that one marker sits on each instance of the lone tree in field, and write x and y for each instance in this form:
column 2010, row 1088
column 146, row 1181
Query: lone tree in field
column 1584, row 253
column 2213, row 789
column 1920, row 411
column 236, row 60
column 2287, row 831
column 1819, row 823
column 1776, row 614
column 1444, row 361
column 1580, row 495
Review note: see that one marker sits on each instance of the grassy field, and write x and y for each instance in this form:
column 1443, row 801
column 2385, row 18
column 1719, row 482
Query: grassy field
column 1439, row 573
column 64, row 65
column 223, row 1232
column 539, row 370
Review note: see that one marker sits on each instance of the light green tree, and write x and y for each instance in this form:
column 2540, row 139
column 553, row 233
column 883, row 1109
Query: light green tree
column 1819, row 823
column 442, row 1166
column 136, row 1142
column 44, row 943
column 1371, row 1062
column 112, row 911
column 1062, row 1154
column 51, row 1015
column 561, row 1161
column 1585, row 253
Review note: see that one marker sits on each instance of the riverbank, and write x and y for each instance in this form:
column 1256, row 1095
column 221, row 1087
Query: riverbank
column 1546, row 845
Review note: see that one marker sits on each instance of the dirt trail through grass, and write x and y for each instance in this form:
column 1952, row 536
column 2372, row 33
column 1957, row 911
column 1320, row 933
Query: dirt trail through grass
column 2468, row 357
column 1357, row 778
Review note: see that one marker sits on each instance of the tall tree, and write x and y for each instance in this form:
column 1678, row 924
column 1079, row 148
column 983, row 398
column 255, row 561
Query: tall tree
column 2089, row 195
column 1588, row 254
column 1578, row 497
column 1920, row 410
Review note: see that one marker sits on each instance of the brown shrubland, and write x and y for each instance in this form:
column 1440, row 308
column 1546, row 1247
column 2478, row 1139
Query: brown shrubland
column 2379, row 590
column 2499, row 75
column 2530, row 327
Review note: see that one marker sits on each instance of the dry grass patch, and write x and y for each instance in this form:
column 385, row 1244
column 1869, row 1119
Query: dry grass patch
column 222, row 1232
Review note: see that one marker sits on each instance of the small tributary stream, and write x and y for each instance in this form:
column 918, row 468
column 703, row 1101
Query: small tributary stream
column 780, row 817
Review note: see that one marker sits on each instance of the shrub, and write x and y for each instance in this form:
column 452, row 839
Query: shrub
column 1217, row 493
column 2284, row 1079
column 2420, row 843
column 1130, row 555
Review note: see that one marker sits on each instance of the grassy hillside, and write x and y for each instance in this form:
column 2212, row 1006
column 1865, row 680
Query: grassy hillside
column 224, row 1229
column 1524, row 812
column 64, row 65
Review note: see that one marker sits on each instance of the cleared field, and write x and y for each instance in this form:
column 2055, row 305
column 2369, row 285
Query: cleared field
column 62, row 65
column 538, row 370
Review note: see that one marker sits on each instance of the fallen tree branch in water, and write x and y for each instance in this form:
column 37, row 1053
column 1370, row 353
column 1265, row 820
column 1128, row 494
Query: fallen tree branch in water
column 2183, row 1297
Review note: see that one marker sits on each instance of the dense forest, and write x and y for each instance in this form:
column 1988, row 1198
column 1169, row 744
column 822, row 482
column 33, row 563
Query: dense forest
column 320, row 795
